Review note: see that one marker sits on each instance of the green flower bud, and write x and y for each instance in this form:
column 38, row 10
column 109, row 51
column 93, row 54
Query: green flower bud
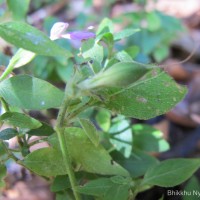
column 119, row 75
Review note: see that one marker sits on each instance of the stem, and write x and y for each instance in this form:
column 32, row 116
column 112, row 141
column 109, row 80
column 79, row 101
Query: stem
column 110, row 49
column 7, row 109
column 134, row 195
column 10, row 154
column 59, row 128
column 72, row 115
column 37, row 141
column 67, row 161
column 7, row 71
column 4, row 104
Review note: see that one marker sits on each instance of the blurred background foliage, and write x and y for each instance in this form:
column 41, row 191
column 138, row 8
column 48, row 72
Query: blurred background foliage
column 150, row 44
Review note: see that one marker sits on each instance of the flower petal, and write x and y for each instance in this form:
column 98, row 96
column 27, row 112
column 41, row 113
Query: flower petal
column 58, row 30
column 80, row 35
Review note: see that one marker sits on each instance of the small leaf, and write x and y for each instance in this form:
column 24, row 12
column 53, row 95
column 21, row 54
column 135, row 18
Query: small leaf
column 152, row 95
column 105, row 26
column 149, row 139
column 108, row 188
column 117, row 192
column 90, row 49
column 96, row 187
column 171, row 172
column 18, row 8
column 132, row 51
column 123, row 141
column 123, row 56
column 120, row 180
column 45, row 162
column 63, row 195
column 27, row 37
column 103, row 119
column 161, row 52
column 20, row 120
column 125, row 33
column 137, row 158
column 153, row 20
column 60, row 183
column 108, row 39
column 8, row 133
column 90, row 131
column 43, row 130
column 27, row 92
column 21, row 58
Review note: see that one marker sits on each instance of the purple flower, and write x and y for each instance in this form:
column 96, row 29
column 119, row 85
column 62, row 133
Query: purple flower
column 79, row 35
column 59, row 28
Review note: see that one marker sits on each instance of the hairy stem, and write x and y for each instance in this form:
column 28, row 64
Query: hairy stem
column 59, row 128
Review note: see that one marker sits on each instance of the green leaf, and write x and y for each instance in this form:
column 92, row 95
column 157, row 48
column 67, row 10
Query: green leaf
column 60, row 183
column 90, row 131
column 90, row 49
column 132, row 51
column 20, row 120
column 65, row 71
column 121, row 180
column 8, row 133
column 43, row 130
column 45, row 162
column 103, row 119
column 154, row 94
column 123, row 141
column 125, row 33
column 27, row 92
column 193, row 188
column 27, row 37
column 108, row 39
column 137, row 158
column 21, row 58
column 117, row 192
column 96, row 187
column 171, row 172
column 91, row 159
column 18, row 8
column 123, row 56
column 153, row 20
column 107, row 188
column 2, row 175
column 119, row 75
column 149, row 139
column 63, row 195
column 86, row 156
column 105, row 26
column 160, row 53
